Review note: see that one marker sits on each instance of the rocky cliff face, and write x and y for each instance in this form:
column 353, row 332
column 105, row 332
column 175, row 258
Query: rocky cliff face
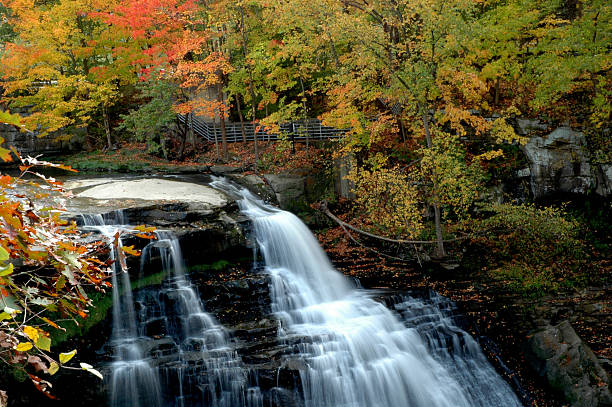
column 559, row 161
column 30, row 143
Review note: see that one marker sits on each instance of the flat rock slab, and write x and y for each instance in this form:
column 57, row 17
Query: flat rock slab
column 153, row 189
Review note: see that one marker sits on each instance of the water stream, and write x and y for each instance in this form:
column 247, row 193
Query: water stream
column 134, row 382
column 357, row 352
column 167, row 350
column 348, row 348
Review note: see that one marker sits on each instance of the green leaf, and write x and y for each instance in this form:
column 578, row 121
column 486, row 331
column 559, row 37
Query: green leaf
column 4, row 315
column 65, row 357
column 4, row 255
column 61, row 282
column 6, row 270
column 7, row 118
column 44, row 343
column 53, row 368
column 42, row 301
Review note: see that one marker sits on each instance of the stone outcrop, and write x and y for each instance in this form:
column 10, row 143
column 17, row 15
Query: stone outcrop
column 256, row 185
column 569, row 366
column 289, row 189
column 206, row 221
column 603, row 175
column 559, row 162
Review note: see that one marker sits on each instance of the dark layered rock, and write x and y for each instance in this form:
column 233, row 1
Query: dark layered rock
column 570, row 366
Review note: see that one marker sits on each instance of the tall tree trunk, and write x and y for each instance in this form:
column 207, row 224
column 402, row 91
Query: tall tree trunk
column 109, row 142
column 183, row 134
column 439, row 252
column 239, row 108
column 220, row 99
column 251, row 86
column 305, row 116
column 496, row 92
column 216, row 140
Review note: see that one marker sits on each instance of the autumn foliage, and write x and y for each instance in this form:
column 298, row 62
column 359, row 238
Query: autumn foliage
column 45, row 270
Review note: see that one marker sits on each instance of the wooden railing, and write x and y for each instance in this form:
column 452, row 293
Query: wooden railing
column 299, row 131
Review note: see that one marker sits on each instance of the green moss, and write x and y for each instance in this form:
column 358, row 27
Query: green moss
column 527, row 281
column 153, row 279
column 216, row 266
column 97, row 313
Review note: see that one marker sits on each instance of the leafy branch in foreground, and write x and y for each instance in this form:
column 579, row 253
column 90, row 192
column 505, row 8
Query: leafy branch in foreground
column 44, row 269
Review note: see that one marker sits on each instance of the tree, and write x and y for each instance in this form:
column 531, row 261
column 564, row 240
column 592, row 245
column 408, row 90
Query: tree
column 176, row 40
column 50, row 66
column 407, row 59
column 155, row 116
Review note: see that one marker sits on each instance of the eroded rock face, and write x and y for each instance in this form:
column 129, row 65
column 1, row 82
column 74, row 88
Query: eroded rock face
column 288, row 191
column 560, row 162
column 604, row 180
column 568, row 364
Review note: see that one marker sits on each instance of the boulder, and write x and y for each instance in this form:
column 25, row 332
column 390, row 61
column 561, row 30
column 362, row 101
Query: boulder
column 224, row 169
column 255, row 184
column 289, row 189
column 569, row 366
column 604, row 180
column 527, row 127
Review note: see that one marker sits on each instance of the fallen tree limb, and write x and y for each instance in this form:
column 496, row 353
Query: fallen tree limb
column 350, row 236
column 323, row 207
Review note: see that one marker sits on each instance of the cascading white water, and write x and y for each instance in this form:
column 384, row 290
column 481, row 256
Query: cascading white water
column 133, row 382
column 208, row 371
column 358, row 352
column 190, row 362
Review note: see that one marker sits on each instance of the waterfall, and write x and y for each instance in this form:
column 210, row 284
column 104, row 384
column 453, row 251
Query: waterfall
column 207, row 370
column 133, row 382
column 167, row 350
column 357, row 352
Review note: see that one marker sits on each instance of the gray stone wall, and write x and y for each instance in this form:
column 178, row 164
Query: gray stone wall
column 30, row 143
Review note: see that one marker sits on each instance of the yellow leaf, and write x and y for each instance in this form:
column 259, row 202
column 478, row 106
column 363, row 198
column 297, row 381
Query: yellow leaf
column 53, row 368
column 90, row 369
column 24, row 346
column 130, row 250
column 6, row 270
column 31, row 332
column 4, row 255
column 145, row 229
column 65, row 357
